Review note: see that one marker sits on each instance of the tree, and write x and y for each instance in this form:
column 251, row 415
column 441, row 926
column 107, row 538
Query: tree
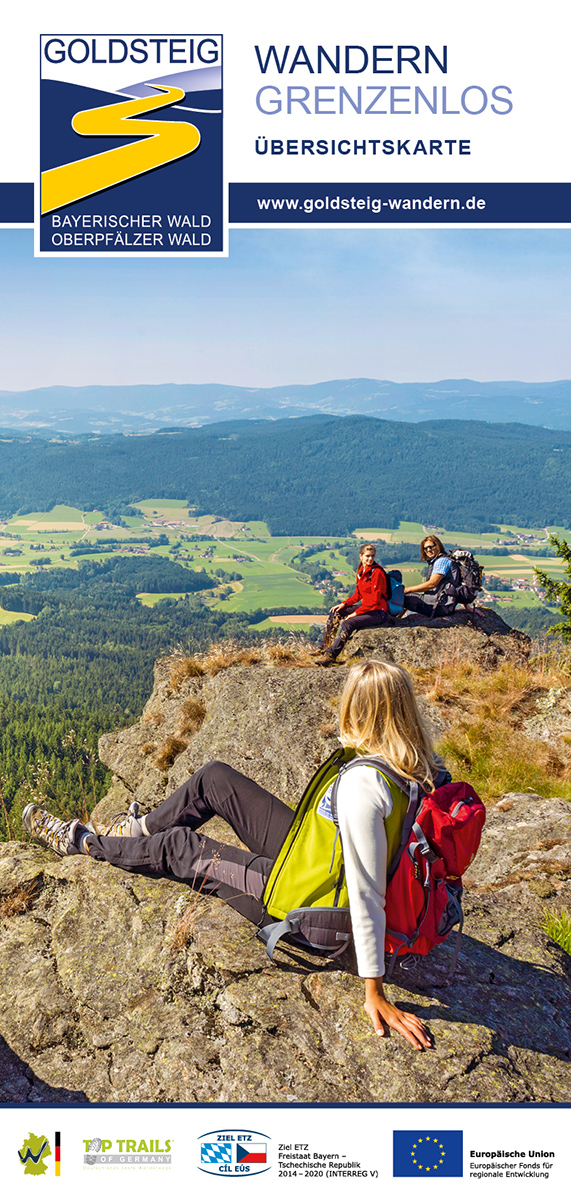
column 558, row 590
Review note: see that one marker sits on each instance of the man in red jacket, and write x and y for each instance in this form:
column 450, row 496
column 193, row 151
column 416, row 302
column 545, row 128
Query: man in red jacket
column 371, row 592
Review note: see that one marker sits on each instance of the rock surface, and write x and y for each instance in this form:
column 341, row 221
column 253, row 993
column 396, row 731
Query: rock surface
column 116, row 988
column 481, row 637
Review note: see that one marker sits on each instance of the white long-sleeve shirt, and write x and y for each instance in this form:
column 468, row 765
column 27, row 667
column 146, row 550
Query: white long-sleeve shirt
column 364, row 802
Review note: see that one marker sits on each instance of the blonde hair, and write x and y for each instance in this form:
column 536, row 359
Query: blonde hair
column 378, row 714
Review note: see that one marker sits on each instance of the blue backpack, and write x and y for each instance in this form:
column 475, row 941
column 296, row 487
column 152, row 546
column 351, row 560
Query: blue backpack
column 395, row 593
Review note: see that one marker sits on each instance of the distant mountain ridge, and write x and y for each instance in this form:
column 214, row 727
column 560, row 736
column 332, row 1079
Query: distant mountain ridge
column 142, row 408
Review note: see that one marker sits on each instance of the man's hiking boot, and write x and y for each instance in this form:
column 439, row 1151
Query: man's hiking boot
column 62, row 836
column 325, row 659
column 127, row 824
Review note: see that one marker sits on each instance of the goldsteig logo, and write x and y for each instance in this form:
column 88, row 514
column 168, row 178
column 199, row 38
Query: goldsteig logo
column 131, row 145
column 234, row 1152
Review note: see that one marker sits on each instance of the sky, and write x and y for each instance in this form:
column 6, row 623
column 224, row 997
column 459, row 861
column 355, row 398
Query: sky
column 293, row 306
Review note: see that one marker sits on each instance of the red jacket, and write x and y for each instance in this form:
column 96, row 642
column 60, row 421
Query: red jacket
column 371, row 590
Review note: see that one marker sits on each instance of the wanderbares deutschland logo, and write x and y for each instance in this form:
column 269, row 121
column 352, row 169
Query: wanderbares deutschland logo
column 131, row 145
column 33, row 1154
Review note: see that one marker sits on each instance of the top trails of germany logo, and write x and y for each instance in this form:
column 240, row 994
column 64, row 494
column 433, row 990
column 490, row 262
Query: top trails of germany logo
column 131, row 145
column 233, row 1152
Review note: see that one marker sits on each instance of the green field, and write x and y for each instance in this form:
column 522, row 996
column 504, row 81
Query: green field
column 10, row 618
column 269, row 577
column 411, row 531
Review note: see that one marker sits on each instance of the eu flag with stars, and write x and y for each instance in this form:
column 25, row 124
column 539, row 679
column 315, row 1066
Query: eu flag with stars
column 426, row 1153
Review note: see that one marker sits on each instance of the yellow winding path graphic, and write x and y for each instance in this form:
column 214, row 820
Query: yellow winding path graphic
column 164, row 142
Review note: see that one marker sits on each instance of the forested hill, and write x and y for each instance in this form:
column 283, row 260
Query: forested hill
column 307, row 475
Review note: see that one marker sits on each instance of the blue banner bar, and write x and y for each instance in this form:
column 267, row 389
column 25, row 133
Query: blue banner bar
column 390, row 203
column 365, row 203
column 16, row 204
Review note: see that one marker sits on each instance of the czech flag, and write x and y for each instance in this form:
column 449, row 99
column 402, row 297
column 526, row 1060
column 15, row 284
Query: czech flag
column 253, row 1152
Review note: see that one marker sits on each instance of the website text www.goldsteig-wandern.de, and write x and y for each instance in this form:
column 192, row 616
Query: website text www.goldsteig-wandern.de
column 374, row 204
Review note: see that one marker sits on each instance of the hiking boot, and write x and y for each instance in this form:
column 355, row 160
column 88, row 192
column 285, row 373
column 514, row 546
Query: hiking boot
column 127, row 824
column 62, row 836
column 325, row 659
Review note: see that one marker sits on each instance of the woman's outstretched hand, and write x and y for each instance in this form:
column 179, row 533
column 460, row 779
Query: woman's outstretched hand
column 384, row 1014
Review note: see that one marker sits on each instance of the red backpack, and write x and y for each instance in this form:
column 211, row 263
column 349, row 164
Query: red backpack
column 440, row 837
column 441, row 834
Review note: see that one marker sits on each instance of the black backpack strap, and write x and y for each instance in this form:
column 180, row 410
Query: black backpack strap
column 271, row 934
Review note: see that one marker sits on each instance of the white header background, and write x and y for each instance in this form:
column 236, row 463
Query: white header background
column 517, row 45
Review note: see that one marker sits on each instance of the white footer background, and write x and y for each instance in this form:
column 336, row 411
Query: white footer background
column 348, row 1139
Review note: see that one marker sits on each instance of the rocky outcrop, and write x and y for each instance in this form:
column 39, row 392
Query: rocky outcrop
column 118, row 988
column 480, row 637
column 277, row 722
column 115, row 988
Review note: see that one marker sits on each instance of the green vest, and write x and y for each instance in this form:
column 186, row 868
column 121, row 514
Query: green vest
column 309, row 871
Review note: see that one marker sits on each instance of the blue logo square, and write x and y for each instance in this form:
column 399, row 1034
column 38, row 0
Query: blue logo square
column 425, row 1153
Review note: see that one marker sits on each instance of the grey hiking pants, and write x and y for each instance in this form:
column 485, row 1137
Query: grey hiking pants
column 174, row 850
column 416, row 604
column 366, row 620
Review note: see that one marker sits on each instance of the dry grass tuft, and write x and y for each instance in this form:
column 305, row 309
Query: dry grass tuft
column 275, row 654
column 184, row 668
column 148, row 748
column 19, row 900
column 192, row 713
column 156, row 717
column 285, row 653
column 486, row 741
column 168, row 751
column 181, row 934
column 219, row 657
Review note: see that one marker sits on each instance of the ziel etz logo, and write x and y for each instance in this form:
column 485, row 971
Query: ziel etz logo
column 233, row 1152
column 131, row 145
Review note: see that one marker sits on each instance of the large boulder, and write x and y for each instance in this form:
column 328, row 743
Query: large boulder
column 116, row 988
column 479, row 636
